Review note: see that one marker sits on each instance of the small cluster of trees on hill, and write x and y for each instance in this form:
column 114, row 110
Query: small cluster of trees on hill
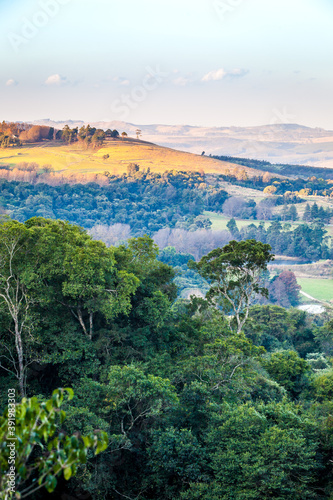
column 14, row 134
column 88, row 136
column 313, row 213
column 9, row 134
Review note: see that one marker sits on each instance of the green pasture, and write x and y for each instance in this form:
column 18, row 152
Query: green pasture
column 321, row 289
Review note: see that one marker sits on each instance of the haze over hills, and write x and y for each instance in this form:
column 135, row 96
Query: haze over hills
column 280, row 143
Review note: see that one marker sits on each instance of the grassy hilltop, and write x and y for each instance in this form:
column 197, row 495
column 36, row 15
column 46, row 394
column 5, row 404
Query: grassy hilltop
column 74, row 159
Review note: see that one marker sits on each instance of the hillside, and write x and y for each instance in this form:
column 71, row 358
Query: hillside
column 73, row 159
column 277, row 143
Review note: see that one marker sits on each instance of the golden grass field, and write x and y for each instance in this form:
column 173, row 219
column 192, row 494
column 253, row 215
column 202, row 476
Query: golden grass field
column 76, row 160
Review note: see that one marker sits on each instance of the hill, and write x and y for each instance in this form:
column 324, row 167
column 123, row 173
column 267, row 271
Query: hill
column 278, row 143
column 114, row 157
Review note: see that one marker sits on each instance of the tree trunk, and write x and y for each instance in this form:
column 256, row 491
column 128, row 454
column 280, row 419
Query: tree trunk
column 91, row 325
column 20, row 355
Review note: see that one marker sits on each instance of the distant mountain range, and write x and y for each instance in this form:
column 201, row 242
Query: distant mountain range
column 284, row 143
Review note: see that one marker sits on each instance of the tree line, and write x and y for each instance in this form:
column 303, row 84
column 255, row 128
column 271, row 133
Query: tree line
column 147, row 202
column 280, row 168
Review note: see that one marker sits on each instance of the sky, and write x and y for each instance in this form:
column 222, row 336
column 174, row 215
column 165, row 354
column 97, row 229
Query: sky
column 193, row 62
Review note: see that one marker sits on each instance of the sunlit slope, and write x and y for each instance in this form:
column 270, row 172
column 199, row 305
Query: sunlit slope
column 76, row 160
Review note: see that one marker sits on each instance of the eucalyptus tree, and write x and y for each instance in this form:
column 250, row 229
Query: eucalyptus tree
column 234, row 273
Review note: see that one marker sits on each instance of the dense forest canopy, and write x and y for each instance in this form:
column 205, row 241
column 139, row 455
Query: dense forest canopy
column 194, row 401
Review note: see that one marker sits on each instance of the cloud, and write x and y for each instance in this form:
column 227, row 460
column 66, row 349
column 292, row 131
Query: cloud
column 181, row 81
column 220, row 74
column 121, row 80
column 56, row 80
column 238, row 72
column 11, row 83
column 216, row 75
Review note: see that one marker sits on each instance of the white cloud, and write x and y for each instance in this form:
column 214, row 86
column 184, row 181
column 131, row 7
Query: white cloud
column 238, row 72
column 11, row 83
column 181, row 81
column 121, row 80
column 216, row 75
column 56, row 80
column 221, row 73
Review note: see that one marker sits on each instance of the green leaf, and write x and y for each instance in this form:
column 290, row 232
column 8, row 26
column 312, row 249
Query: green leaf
column 67, row 473
column 70, row 393
column 51, row 483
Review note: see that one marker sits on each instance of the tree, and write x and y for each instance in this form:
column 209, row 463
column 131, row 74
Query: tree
column 202, row 222
column 15, row 299
column 314, row 211
column 270, row 189
column 69, row 135
column 232, row 227
column 289, row 370
column 123, row 135
column 138, row 133
column 259, row 452
column 216, row 200
column 234, row 273
column 98, row 138
column 80, row 273
column 132, row 169
column 293, row 215
column 323, row 385
column 45, row 262
column 33, row 454
column 137, row 397
column 292, row 288
column 176, row 458
column 264, row 209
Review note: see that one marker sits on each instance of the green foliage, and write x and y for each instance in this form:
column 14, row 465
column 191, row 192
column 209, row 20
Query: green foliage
column 170, row 256
column 175, row 457
column 135, row 396
column 191, row 406
column 260, row 452
column 289, row 370
column 224, row 361
column 323, row 385
column 147, row 203
column 234, row 272
column 35, row 451
column 305, row 241
column 277, row 328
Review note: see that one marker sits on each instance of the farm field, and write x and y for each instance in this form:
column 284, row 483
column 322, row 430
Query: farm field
column 321, row 289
